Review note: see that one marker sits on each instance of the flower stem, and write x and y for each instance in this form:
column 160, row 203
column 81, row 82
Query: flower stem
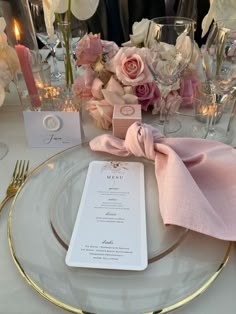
column 66, row 38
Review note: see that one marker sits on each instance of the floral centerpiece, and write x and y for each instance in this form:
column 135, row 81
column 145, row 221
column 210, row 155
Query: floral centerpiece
column 9, row 63
column 120, row 75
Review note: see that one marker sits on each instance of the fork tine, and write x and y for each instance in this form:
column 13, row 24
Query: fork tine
column 22, row 172
column 25, row 172
column 15, row 171
column 18, row 173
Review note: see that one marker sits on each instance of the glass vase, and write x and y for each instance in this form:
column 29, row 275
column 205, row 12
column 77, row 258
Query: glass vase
column 64, row 34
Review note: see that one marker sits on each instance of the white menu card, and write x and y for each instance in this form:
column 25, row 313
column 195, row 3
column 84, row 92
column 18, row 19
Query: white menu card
column 110, row 228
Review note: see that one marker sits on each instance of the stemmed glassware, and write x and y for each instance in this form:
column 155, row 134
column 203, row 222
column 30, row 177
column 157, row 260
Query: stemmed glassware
column 170, row 40
column 41, row 33
column 51, row 43
column 188, row 9
column 219, row 59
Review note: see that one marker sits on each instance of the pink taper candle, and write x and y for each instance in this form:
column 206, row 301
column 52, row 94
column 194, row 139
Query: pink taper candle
column 24, row 58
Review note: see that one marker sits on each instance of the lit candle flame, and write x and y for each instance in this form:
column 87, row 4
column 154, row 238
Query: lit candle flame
column 17, row 30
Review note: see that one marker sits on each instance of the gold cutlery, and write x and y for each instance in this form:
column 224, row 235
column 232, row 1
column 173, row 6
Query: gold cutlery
column 18, row 177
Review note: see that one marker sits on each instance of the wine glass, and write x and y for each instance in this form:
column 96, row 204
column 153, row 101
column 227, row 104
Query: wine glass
column 219, row 57
column 51, row 43
column 188, row 9
column 170, row 40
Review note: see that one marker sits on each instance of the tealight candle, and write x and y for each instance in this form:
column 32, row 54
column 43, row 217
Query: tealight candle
column 24, row 59
column 206, row 111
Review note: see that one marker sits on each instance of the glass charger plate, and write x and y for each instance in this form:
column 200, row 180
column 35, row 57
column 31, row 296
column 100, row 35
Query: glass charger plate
column 182, row 264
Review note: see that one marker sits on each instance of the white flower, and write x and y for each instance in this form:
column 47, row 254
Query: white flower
column 9, row 63
column 81, row 9
column 5, row 79
column 3, row 36
column 220, row 11
column 140, row 30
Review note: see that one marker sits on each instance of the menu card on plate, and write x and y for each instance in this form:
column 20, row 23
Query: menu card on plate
column 110, row 228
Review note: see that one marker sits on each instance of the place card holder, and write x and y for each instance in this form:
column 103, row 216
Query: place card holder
column 123, row 117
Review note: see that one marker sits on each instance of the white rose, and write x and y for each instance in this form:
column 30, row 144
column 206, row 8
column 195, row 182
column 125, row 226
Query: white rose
column 139, row 30
column 138, row 37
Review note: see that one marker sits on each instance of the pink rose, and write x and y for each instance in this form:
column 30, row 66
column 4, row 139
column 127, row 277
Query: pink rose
column 83, row 84
column 130, row 66
column 89, row 49
column 147, row 94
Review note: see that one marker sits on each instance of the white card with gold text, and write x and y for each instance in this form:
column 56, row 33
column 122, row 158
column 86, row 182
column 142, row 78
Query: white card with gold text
column 110, row 228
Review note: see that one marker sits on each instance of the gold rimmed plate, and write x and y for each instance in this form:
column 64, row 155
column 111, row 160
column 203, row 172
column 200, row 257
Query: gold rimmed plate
column 182, row 264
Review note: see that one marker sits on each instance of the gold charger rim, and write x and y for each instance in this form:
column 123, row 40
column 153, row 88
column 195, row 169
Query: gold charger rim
column 76, row 310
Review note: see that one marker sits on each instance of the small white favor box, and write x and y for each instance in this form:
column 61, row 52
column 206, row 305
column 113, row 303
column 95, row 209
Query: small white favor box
column 52, row 128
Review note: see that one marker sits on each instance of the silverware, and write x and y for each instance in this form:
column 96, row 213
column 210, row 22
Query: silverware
column 18, row 177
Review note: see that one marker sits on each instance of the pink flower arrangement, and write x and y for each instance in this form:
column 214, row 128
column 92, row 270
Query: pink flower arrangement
column 113, row 75
column 89, row 49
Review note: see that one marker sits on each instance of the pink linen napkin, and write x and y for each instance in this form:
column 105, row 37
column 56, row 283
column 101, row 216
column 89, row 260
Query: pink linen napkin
column 196, row 178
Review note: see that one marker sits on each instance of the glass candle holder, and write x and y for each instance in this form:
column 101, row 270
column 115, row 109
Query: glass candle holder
column 206, row 110
column 41, row 73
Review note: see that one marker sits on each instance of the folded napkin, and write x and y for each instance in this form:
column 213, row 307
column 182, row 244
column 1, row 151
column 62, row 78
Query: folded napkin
column 196, row 178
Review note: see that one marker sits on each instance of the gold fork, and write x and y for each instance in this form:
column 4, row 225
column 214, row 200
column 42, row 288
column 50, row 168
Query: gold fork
column 18, row 177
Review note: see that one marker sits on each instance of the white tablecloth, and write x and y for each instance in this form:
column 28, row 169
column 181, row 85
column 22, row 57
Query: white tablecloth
column 16, row 296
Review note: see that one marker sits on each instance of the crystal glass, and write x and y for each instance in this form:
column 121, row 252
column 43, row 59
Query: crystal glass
column 188, row 9
column 219, row 57
column 171, row 42
column 51, row 43
column 205, row 118
column 193, row 118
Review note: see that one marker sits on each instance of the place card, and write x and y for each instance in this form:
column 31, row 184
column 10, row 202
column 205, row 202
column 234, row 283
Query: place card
column 52, row 128
column 110, row 228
